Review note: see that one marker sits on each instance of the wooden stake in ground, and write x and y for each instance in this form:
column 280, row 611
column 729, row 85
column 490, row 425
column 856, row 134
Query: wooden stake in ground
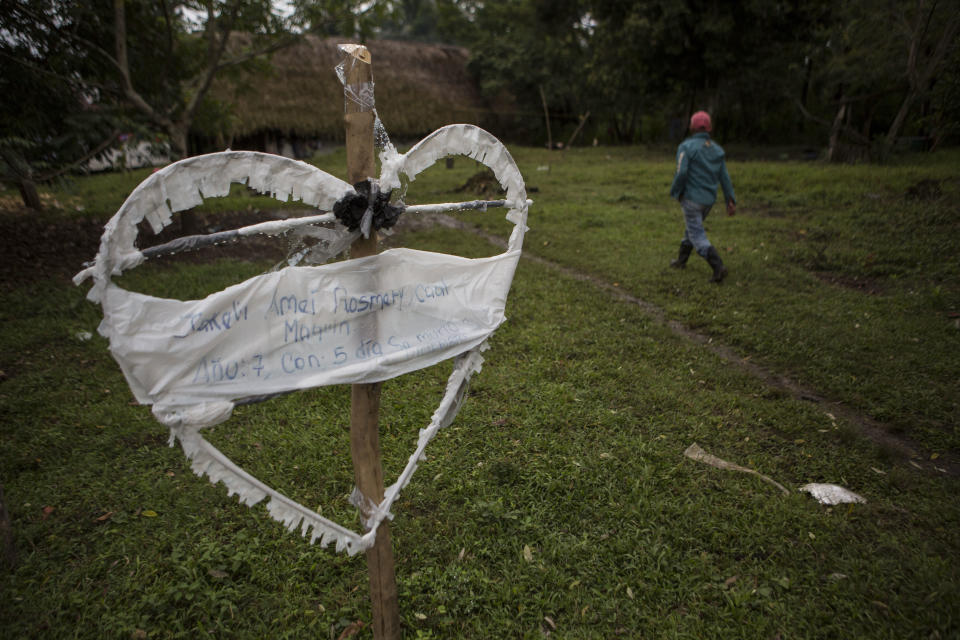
column 365, row 398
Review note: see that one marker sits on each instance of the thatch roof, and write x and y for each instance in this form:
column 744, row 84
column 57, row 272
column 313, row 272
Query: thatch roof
column 418, row 87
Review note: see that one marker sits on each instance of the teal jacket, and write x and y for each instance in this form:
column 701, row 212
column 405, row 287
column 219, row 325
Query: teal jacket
column 700, row 165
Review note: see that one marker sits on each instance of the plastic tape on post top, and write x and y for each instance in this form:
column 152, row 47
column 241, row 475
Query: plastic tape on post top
column 357, row 96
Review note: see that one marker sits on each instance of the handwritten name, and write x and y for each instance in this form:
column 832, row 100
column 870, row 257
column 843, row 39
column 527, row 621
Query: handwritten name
column 221, row 320
column 343, row 301
column 281, row 305
column 298, row 330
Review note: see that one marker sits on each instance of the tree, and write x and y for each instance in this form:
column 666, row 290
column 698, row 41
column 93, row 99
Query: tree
column 199, row 57
column 531, row 48
column 626, row 60
column 930, row 34
column 51, row 118
column 877, row 61
column 159, row 58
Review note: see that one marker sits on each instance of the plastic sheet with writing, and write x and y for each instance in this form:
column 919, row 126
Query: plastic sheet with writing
column 355, row 321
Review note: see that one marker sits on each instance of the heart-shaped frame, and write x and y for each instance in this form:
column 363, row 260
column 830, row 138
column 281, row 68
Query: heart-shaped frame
column 354, row 321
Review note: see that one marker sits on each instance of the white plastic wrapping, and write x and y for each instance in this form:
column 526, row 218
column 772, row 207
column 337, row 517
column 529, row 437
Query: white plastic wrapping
column 356, row 321
column 831, row 494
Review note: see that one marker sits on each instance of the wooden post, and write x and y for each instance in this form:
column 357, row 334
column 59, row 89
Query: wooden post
column 365, row 398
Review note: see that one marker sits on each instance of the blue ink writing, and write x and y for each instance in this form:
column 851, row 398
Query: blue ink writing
column 343, row 301
column 298, row 330
column 222, row 320
column 281, row 305
column 213, row 370
column 425, row 292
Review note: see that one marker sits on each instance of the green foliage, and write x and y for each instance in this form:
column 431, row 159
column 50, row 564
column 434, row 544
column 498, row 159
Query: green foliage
column 50, row 114
column 768, row 71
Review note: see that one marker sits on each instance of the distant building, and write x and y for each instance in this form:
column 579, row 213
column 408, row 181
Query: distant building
column 297, row 104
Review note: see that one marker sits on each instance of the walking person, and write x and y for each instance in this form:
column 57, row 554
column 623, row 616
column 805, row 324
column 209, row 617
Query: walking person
column 701, row 165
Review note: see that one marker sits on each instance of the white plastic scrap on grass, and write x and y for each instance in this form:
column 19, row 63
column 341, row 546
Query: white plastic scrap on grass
column 831, row 493
column 355, row 321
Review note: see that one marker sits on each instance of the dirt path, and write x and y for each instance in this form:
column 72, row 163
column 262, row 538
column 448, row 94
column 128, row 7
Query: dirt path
column 864, row 424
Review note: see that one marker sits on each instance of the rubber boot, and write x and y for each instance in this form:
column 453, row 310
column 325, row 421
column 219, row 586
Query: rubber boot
column 681, row 261
column 719, row 271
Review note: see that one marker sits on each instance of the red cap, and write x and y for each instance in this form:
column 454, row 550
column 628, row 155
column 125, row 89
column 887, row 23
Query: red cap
column 700, row 120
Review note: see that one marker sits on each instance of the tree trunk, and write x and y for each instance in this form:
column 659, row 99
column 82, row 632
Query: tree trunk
column 546, row 117
column 894, row 131
column 178, row 139
column 23, row 174
column 832, row 155
column 28, row 191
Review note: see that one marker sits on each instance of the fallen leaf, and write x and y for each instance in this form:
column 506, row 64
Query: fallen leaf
column 217, row 573
column 139, row 634
column 352, row 629
column 462, row 553
column 47, row 511
column 630, row 593
column 419, row 616
column 527, row 553
column 729, row 582
column 149, row 513
column 105, row 516
column 812, row 537
column 915, row 464
column 934, row 456
column 549, row 621
column 881, row 472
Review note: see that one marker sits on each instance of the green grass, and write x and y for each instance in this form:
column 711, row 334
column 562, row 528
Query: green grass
column 837, row 275
column 561, row 490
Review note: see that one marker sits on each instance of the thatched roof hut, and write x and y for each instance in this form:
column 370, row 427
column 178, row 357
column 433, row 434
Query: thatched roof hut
column 418, row 88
